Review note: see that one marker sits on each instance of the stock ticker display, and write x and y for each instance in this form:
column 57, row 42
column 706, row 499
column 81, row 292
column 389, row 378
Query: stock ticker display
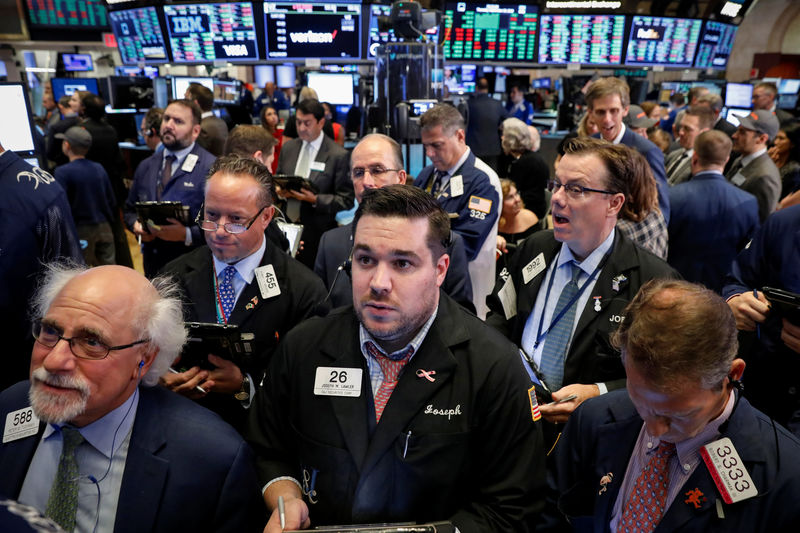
column 490, row 32
column 139, row 35
column 210, row 32
column 324, row 30
column 585, row 39
column 84, row 14
column 715, row 45
column 670, row 42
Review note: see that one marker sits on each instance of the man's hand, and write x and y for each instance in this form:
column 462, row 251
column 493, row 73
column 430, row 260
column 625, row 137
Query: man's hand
column 748, row 310
column 501, row 244
column 174, row 231
column 139, row 231
column 185, row 383
column 226, row 378
column 304, row 195
column 559, row 413
column 296, row 516
column 790, row 335
column 283, row 193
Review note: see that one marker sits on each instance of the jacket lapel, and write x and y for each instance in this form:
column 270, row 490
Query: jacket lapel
column 200, row 287
column 527, row 293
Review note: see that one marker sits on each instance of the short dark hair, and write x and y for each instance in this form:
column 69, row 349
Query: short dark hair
column 94, row 107
column 193, row 107
column 246, row 139
column 696, row 92
column 411, row 202
column 202, row 95
column 705, row 117
column 712, row 147
column 64, row 100
column 792, row 131
column 152, row 119
column 310, row 106
column 677, row 332
column 236, row 165
column 678, row 99
column 444, row 115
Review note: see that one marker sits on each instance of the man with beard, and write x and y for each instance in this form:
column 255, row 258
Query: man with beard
column 90, row 442
column 404, row 407
column 174, row 174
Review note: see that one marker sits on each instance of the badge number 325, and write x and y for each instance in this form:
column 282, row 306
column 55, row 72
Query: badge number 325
column 728, row 470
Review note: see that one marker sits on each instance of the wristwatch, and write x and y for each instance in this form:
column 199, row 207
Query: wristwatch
column 244, row 391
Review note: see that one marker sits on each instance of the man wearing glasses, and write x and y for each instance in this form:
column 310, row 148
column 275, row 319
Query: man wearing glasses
column 240, row 278
column 377, row 161
column 568, row 287
column 91, row 442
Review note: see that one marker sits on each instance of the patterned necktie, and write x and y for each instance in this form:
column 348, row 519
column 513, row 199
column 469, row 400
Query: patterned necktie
column 62, row 504
column 227, row 295
column 645, row 505
column 166, row 173
column 390, row 367
column 555, row 346
column 438, row 182
column 677, row 163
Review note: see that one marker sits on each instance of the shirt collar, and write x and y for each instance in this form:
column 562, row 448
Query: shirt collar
column 6, row 151
column 245, row 267
column 179, row 154
column 747, row 159
column 206, row 114
column 461, row 160
column 365, row 337
column 316, row 143
column 108, row 430
column 618, row 138
column 590, row 263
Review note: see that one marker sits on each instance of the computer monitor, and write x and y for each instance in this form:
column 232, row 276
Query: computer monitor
column 739, row 95
column 584, row 39
column 490, row 31
column 715, row 46
column 325, row 30
column 62, row 86
column 376, row 37
column 263, row 74
column 204, row 33
column 130, row 92
column 334, row 88
column 665, row 41
column 789, row 86
column 787, row 101
column 227, row 92
column 460, row 79
column 161, row 89
column 77, row 62
column 731, row 115
column 287, row 76
column 67, row 14
column 181, row 83
column 140, row 38
column 16, row 128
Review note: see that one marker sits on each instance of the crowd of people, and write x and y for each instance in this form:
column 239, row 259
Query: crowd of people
column 487, row 345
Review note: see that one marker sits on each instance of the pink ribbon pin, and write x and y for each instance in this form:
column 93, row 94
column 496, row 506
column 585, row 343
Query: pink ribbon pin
column 426, row 374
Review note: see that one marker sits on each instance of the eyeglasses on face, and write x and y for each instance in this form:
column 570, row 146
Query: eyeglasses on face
column 376, row 171
column 573, row 190
column 233, row 228
column 84, row 347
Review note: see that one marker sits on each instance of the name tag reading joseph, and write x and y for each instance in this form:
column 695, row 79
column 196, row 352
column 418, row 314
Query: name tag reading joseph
column 338, row 381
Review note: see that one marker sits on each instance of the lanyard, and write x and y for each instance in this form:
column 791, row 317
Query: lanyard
column 222, row 318
column 541, row 334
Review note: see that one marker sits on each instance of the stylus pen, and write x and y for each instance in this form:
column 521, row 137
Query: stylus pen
column 282, row 512
column 198, row 388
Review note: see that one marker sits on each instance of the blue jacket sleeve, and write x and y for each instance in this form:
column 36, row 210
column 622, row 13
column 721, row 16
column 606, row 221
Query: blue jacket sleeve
column 472, row 224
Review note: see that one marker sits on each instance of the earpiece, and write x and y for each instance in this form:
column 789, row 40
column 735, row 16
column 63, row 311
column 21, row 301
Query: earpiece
column 736, row 383
column 141, row 364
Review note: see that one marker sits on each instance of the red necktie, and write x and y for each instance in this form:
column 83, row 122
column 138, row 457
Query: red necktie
column 391, row 368
column 645, row 506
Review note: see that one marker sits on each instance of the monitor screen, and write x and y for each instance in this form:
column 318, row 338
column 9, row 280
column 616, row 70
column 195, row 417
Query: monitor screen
column 181, row 83
column 77, row 62
column 203, row 33
column 130, row 92
column 670, row 42
column 62, row 86
column 263, row 74
column 460, row 79
column 739, row 95
column 375, row 37
column 287, row 76
column 67, row 14
column 226, row 92
column 336, row 89
column 319, row 30
column 161, row 88
column 715, row 45
column 542, row 83
column 787, row 101
column 732, row 114
column 490, row 31
column 140, row 38
column 585, row 39
column 788, row 86
column 15, row 128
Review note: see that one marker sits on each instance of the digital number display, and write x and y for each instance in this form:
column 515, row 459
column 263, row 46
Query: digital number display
column 201, row 33
column 83, row 14
column 715, row 45
column 671, row 42
column 296, row 31
column 585, row 39
column 139, row 35
column 490, row 31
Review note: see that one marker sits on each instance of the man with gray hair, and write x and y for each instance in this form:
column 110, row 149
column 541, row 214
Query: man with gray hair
column 467, row 188
column 680, row 449
column 91, row 443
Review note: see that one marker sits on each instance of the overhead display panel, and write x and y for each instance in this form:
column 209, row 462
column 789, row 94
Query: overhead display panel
column 585, row 39
column 666, row 41
column 318, row 30
column 139, row 36
column 82, row 14
column 490, row 32
column 715, row 46
column 376, row 37
column 204, row 33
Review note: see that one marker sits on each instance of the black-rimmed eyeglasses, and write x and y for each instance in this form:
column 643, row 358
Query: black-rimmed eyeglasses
column 375, row 171
column 573, row 190
column 85, row 347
